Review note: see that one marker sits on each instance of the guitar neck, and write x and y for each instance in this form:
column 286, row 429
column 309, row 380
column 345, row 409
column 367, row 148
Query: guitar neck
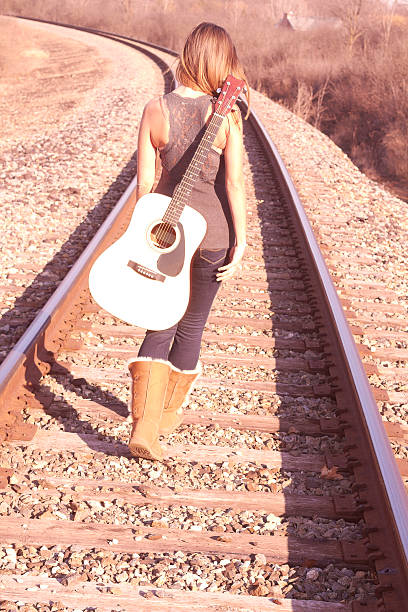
column 183, row 190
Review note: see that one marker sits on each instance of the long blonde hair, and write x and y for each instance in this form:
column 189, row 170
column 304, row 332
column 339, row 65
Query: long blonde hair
column 209, row 55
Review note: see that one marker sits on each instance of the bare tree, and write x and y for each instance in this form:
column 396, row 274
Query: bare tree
column 350, row 14
column 354, row 15
column 309, row 105
column 303, row 105
column 166, row 5
column 387, row 19
column 237, row 7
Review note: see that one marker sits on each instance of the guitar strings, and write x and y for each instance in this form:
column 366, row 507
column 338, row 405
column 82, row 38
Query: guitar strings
column 190, row 174
column 182, row 190
column 166, row 229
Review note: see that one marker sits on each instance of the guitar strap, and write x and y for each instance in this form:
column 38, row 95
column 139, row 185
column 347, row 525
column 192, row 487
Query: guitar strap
column 164, row 110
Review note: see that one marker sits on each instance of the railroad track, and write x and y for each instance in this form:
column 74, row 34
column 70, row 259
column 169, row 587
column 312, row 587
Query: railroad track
column 280, row 491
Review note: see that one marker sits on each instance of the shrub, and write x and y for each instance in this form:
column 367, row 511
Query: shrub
column 351, row 82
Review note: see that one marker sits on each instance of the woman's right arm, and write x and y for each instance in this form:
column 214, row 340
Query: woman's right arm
column 146, row 151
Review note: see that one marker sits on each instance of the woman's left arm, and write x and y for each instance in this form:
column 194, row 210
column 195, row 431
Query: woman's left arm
column 235, row 187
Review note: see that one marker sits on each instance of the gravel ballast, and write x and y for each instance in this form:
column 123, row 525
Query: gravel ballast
column 67, row 154
column 111, row 112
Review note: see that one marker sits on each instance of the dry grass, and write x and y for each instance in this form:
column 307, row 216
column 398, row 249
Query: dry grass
column 356, row 93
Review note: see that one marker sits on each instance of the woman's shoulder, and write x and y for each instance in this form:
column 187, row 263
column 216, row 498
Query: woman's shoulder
column 155, row 110
column 153, row 106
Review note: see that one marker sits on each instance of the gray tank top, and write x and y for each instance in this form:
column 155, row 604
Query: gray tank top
column 187, row 125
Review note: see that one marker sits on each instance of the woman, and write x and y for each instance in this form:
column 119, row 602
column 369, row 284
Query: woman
column 166, row 366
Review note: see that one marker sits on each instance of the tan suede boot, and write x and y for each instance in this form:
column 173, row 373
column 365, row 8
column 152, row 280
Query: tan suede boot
column 149, row 385
column 178, row 390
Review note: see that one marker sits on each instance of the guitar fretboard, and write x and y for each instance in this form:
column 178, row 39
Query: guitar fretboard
column 183, row 190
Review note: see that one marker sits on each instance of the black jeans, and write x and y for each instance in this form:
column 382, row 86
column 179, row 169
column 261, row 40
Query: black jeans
column 186, row 334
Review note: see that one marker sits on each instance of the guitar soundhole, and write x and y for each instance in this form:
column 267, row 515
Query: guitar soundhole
column 163, row 235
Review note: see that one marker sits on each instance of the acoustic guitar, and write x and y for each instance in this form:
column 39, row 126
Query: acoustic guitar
column 144, row 277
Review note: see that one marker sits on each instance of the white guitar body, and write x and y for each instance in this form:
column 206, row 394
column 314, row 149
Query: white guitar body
column 140, row 282
column 144, row 277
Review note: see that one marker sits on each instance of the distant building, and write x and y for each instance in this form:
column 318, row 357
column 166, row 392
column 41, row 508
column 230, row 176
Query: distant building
column 303, row 24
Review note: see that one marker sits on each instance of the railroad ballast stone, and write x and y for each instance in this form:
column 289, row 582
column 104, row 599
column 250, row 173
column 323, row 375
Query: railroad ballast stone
column 63, row 166
column 360, row 226
column 193, row 572
column 346, row 207
column 259, row 578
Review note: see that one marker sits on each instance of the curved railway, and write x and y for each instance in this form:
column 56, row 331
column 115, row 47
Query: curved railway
column 280, row 491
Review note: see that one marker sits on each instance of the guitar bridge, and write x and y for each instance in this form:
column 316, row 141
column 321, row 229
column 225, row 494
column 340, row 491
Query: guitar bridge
column 146, row 272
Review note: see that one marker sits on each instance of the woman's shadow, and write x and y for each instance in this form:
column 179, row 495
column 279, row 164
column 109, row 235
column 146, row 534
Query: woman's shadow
column 288, row 308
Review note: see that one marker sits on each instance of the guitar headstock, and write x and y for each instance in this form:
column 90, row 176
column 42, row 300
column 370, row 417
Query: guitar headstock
column 229, row 94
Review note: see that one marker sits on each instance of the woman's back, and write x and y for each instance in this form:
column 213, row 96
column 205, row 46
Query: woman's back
column 168, row 359
column 186, row 118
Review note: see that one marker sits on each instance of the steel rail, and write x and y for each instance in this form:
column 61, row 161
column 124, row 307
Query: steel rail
column 383, row 453
column 22, row 348
column 25, row 345
column 381, row 448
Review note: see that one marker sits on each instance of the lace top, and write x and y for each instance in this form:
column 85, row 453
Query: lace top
column 186, row 118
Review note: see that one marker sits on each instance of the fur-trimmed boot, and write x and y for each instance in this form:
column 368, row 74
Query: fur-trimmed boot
column 178, row 390
column 150, row 378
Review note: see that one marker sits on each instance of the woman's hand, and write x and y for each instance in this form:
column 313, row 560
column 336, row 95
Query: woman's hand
column 227, row 271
